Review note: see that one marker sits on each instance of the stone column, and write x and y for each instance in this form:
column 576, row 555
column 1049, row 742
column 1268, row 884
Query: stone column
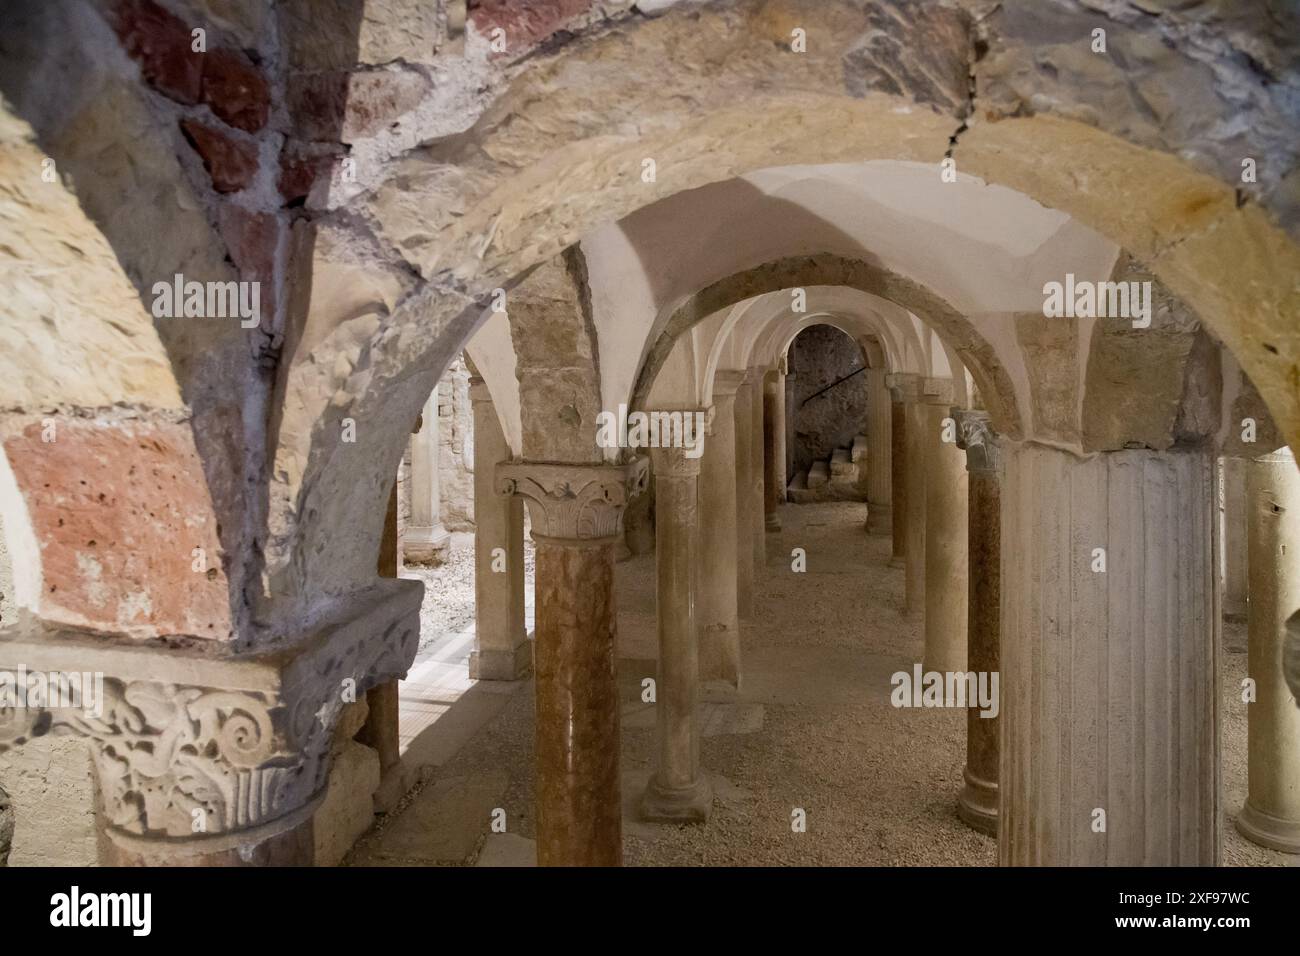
column 1232, row 509
column 678, row 792
column 1271, row 815
column 743, row 472
column 773, row 450
column 910, row 388
column 977, row 803
column 383, row 701
column 879, row 440
column 945, row 534
column 898, row 477
column 501, row 648
column 1108, row 677
column 426, row 540
column 576, row 512
column 716, row 612
column 757, row 508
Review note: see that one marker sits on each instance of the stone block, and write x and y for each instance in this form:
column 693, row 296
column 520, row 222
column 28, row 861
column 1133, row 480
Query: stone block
column 347, row 811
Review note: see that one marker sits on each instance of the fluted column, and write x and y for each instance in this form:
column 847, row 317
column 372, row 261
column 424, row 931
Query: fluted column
column 945, row 534
column 426, row 540
column 1271, row 815
column 898, row 477
column 773, row 448
column 501, row 648
column 910, row 388
column 1108, row 692
column 677, row 792
column 879, row 440
column 977, row 803
column 576, row 513
column 716, row 613
column 757, row 508
column 1236, row 561
column 743, row 465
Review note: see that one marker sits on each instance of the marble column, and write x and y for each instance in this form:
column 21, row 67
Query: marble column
column 717, row 613
column 758, row 508
column 1109, row 750
column 977, row 803
column 383, row 701
column 910, row 388
column 743, row 472
column 677, row 792
column 1232, row 510
column 945, row 535
column 576, row 513
column 773, row 452
column 879, row 439
column 426, row 540
column 501, row 648
column 1271, row 815
column 898, row 477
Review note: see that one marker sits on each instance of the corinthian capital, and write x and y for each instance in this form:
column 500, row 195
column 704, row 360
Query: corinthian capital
column 976, row 437
column 578, row 502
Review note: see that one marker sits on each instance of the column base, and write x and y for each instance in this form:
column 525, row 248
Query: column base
column 426, row 545
column 1268, row 830
column 502, row 664
column 977, row 804
column 880, row 519
column 689, row 805
column 772, row 523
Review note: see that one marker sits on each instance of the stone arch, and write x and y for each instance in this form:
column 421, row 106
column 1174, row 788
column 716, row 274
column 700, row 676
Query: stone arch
column 972, row 351
column 521, row 198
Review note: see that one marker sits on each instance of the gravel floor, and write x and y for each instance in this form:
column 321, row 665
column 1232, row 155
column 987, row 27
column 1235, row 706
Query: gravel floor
column 877, row 784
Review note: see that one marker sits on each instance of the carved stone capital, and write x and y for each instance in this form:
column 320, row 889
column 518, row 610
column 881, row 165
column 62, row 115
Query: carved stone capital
column 976, row 437
column 937, row 391
column 906, row 386
column 194, row 745
column 478, row 390
column 728, row 381
column 577, row 502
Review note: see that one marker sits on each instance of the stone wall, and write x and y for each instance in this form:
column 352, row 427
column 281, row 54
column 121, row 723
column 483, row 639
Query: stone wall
column 819, row 356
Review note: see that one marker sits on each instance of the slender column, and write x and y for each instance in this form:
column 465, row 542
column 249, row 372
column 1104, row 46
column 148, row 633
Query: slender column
column 717, row 612
column 501, row 648
column 977, row 803
column 426, row 540
column 678, row 792
column 381, row 729
column 1232, row 509
column 792, row 408
column 743, row 465
column 773, row 452
column 879, row 440
column 757, row 508
column 945, row 535
column 1108, row 676
column 1271, row 815
column 910, row 388
column 898, row 477
column 577, row 513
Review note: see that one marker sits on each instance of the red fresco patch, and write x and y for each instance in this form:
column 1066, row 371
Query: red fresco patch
column 117, row 510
